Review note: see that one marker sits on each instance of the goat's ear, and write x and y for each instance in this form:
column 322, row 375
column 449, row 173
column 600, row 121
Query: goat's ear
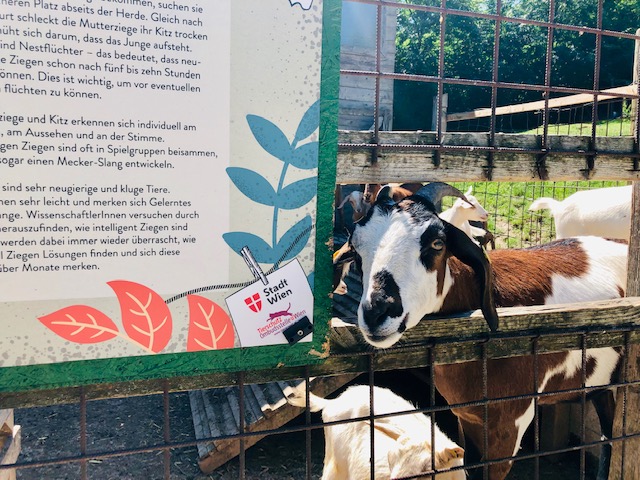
column 462, row 247
column 344, row 201
column 388, row 429
column 384, row 196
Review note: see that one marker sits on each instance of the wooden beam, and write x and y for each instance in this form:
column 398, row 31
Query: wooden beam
column 539, row 105
column 624, row 462
column 410, row 157
column 636, row 81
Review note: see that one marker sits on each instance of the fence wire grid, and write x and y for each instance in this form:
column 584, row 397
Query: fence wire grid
column 169, row 435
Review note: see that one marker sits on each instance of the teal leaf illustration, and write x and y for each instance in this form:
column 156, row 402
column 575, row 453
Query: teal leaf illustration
column 305, row 156
column 309, row 123
column 253, row 185
column 262, row 252
column 269, row 136
column 290, row 237
column 310, row 279
column 297, row 194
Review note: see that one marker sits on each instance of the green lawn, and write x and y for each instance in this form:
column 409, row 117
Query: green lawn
column 619, row 127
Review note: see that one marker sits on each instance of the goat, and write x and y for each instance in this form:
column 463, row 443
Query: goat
column 463, row 212
column 402, row 443
column 356, row 199
column 341, row 263
column 398, row 191
column 342, row 257
column 414, row 263
column 604, row 212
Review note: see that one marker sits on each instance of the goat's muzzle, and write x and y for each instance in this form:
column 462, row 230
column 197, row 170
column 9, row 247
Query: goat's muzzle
column 384, row 303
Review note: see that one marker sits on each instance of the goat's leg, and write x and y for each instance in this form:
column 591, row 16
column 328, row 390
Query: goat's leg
column 605, row 406
column 472, row 451
column 504, row 437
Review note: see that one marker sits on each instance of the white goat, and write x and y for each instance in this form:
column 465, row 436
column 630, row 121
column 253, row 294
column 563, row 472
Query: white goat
column 462, row 212
column 402, row 444
column 603, row 212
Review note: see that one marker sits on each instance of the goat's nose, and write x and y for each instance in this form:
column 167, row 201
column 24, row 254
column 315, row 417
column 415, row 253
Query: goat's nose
column 384, row 301
column 375, row 312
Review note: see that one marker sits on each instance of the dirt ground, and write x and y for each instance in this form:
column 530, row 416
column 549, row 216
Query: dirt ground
column 53, row 432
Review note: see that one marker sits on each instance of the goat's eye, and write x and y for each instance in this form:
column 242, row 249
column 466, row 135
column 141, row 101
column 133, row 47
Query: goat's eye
column 437, row 244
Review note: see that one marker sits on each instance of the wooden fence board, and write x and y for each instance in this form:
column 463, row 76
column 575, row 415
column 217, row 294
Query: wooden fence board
column 516, row 158
column 352, row 358
column 565, row 101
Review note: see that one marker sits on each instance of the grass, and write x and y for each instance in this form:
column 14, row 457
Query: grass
column 619, row 127
column 512, row 224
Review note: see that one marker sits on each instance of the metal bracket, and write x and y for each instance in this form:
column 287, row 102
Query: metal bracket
column 541, row 165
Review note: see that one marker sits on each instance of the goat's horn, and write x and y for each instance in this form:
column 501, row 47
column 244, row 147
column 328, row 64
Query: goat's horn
column 434, row 192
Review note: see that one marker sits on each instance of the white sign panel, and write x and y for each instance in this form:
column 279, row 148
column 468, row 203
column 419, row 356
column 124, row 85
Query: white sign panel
column 142, row 145
column 108, row 151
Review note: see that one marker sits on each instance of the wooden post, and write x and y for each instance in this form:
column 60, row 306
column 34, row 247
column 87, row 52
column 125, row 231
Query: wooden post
column 631, row 468
column 636, row 79
column 443, row 113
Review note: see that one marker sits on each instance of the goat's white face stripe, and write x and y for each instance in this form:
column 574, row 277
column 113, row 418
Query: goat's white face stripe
column 389, row 241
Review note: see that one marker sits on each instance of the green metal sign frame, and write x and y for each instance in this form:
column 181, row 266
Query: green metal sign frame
column 189, row 364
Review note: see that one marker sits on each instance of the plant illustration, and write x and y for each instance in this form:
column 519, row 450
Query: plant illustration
column 146, row 321
column 304, row 4
column 283, row 197
column 145, row 316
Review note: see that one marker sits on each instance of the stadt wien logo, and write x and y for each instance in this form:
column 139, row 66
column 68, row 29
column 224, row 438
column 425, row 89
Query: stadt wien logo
column 254, row 302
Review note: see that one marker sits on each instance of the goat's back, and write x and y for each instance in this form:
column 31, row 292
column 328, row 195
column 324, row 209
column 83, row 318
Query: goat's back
column 604, row 212
column 572, row 270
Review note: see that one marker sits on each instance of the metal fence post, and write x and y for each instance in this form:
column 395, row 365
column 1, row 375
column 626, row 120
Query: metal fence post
column 624, row 464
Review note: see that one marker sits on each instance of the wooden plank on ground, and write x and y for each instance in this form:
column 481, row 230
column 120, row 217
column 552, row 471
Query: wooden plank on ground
column 10, row 452
column 6, row 424
column 222, row 415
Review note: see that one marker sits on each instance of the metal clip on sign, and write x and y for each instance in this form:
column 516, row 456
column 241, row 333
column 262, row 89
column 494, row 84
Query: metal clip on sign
column 253, row 265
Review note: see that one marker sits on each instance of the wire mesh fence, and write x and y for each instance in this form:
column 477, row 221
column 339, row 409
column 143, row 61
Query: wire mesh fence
column 151, row 437
column 510, row 220
column 156, row 436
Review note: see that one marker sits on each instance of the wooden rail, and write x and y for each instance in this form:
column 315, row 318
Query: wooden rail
column 565, row 101
column 418, row 156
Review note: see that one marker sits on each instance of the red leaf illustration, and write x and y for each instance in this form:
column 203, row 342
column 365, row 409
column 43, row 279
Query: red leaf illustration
column 145, row 316
column 210, row 328
column 80, row 324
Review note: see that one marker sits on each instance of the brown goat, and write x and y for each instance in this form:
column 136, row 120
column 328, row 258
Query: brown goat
column 418, row 264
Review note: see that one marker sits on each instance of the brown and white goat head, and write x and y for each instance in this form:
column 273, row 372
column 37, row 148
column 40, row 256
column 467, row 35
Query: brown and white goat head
column 402, row 250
